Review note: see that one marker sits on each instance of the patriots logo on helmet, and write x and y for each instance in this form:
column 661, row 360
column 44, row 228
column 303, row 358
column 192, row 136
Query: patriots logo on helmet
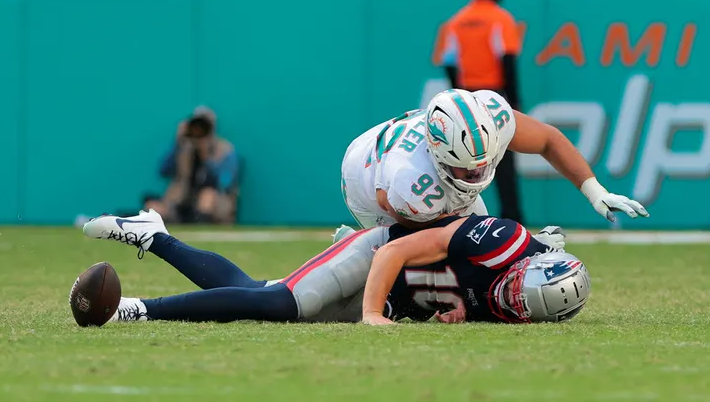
column 560, row 268
column 436, row 128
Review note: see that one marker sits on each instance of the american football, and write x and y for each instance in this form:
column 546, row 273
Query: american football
column 95, row 295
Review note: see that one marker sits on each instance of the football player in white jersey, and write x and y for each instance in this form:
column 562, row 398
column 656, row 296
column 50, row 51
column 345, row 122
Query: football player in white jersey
column 430, row 163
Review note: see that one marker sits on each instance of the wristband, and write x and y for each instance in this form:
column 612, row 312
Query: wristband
column 592, row 189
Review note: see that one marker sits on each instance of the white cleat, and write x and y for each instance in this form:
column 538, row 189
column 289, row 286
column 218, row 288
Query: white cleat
column 130, row 309
column 342, row 232
column 135, row 230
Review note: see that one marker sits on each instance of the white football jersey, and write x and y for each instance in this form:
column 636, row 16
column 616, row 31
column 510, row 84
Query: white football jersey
column 392, row 156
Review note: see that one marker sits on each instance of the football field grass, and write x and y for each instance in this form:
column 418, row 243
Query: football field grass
column 643, row 336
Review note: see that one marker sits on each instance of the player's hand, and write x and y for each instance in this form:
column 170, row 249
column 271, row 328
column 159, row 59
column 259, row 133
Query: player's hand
column 376, row 319
column 453, row 316
column 181, row 131
column 609, row 203
column 552, row 236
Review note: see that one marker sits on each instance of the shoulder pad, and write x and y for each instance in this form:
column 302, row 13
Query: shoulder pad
column 501, row 111
column 490, row 242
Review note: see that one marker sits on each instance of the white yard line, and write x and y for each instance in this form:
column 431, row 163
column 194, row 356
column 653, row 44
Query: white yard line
column 509, row 394
column 573, row 237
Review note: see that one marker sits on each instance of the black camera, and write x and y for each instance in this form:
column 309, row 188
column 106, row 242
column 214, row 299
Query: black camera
column 199, row 126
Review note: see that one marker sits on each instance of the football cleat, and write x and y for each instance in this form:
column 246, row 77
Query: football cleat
column 135, row 230
column 130, row 309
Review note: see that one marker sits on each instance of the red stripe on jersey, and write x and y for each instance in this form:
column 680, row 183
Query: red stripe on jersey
column 512, row 248
column 500, row 250
column 516, row 255
column 320, row 259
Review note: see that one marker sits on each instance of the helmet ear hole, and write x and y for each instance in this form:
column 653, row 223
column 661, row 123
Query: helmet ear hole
column 565, row 301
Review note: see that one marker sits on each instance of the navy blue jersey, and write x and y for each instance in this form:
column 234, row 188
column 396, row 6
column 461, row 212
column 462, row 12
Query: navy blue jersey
column 480, row 251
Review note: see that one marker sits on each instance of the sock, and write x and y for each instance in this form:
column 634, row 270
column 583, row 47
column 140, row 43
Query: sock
column 205, row 269
column 273, row 303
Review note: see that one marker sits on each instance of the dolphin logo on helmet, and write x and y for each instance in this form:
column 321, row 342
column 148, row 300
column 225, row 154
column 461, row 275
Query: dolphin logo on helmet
column 437, row 133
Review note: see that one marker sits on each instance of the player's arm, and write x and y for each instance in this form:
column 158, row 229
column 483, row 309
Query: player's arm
column 535, row 137
column 397, row 213
column 420, row 248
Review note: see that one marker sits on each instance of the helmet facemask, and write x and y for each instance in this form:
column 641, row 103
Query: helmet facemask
column 482, row 177
column 511, row 282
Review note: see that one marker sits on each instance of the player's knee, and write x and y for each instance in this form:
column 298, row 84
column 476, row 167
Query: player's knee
column 376, row 238
column 310, row 304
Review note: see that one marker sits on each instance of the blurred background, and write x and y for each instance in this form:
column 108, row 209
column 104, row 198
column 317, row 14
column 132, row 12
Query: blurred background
column 96, row 98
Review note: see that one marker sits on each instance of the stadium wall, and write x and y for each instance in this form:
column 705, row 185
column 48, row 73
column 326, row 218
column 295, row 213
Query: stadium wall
column 92, row 92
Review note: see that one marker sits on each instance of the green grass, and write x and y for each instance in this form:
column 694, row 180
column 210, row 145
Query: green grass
column 642, row 336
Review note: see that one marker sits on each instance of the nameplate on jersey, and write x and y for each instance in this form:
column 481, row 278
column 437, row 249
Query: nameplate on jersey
column 480, row 230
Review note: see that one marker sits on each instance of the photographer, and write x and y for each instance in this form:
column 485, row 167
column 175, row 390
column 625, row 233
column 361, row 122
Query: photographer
column 203, row 169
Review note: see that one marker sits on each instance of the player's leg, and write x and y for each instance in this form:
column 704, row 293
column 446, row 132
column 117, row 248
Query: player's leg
column 273, row 303
column 148, row 232
column 365, row 218
column 324, row 286
column 353, row 198
column 357, row 185
column 205, row 269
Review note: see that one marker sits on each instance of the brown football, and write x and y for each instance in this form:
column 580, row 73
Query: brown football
column 95, row 295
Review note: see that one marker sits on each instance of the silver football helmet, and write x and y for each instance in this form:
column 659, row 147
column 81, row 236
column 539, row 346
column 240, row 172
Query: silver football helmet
column 551, row 287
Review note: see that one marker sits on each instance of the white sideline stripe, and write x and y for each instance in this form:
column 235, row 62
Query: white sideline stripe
column 498, row 394
column 639, row 237
column 260, row 236
column 573, row 237
column 127, row 390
